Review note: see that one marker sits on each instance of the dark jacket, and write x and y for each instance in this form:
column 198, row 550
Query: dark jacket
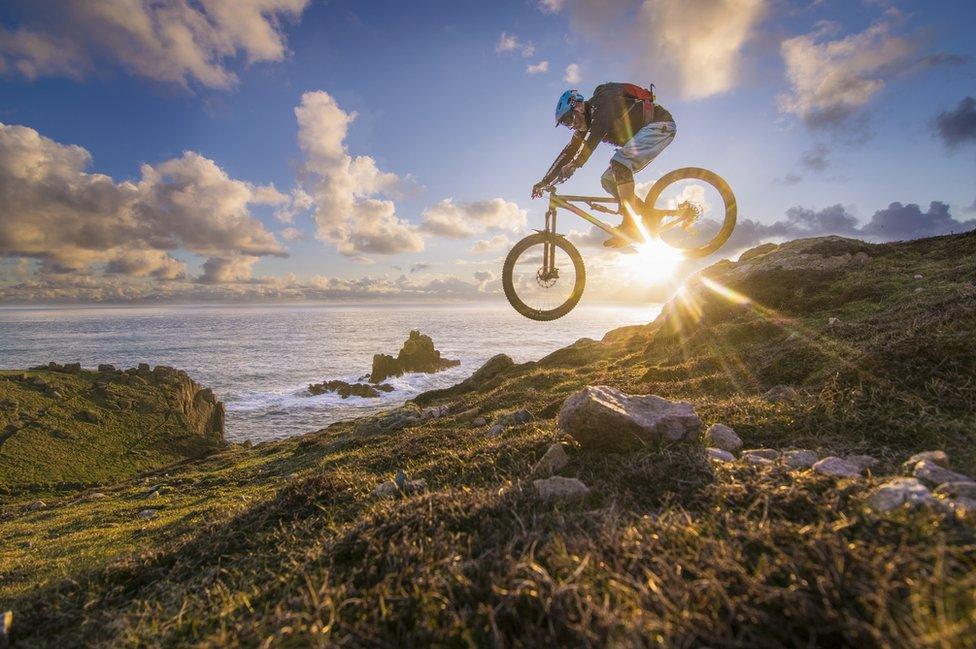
column 611, row 116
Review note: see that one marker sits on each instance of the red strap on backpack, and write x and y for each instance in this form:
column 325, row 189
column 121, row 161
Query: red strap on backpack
column 645, row 95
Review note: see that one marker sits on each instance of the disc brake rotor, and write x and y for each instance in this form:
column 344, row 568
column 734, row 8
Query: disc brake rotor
column 546, row 279
column 690, row 213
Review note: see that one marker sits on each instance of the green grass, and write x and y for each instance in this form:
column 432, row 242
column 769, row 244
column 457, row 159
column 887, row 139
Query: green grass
column 283, row 545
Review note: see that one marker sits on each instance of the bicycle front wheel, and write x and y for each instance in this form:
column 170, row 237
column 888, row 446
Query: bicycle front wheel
column 538, row 290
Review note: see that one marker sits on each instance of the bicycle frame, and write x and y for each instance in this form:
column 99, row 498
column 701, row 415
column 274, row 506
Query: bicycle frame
column 653, row 220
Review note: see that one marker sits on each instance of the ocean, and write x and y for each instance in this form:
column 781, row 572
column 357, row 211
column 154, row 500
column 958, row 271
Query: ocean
column 260, row 359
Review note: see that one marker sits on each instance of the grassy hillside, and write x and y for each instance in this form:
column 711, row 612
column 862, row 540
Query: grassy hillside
column 62, row 427
column 285, row 544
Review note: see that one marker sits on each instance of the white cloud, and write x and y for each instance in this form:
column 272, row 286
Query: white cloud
column 227, row 270
column 832, row 79
column 537, row 68
column 702, row 39
column 146, row 263
column 511, row 43
column 53, row 210
column 296, row 202
column 269, row 195
column 696, row 46
column 551, row 6
column 458, row 220
column 174, row 41
column 345, row 189
column 573, row 73
column 292, row 234
column 488, row 245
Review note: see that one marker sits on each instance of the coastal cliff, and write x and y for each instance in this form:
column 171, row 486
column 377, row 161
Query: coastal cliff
column 67, row 427
column 483, row 515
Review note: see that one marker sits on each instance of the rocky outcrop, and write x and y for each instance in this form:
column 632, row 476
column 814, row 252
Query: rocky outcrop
column 111, row 423
column 346, row 390
column 416, row 355
column 492, row 370
column 817, row 254
column 204, row 413
column 604, row 417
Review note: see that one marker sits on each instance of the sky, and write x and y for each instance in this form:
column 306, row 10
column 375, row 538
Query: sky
column 215, row 150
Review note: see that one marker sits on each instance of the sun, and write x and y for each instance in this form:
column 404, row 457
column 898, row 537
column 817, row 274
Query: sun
column 654, row 263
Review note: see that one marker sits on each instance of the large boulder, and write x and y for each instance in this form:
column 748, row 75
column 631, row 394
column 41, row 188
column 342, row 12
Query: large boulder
column 604, row 417
column 416, row 355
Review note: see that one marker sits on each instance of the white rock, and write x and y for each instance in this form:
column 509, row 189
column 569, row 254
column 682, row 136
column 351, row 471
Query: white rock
column 723, row 437
column 831, row 322
column 480, row 421
column 560, row 487
column 861, row 461
column 555, row 458
column 146, row 514
column 919, row 289
column 957, row 490
column 604, row 417
column 918, row 276
column 939, row 457
column 800, row 458
column 900, row 491
column 764, row 453
column 758, row 460
column 933, row 475
column 719, row 455
column 837, row 467
column 36, row 505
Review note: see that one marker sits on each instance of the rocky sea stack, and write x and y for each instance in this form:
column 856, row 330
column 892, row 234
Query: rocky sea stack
column 416, row 355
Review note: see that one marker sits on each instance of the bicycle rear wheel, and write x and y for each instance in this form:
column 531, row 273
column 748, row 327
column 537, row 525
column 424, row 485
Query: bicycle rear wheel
column 534, row 291
column 701, row 227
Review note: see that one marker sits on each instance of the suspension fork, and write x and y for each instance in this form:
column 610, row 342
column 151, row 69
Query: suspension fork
column 549, row 248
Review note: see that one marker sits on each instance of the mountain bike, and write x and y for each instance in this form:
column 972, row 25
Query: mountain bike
column 543, row 275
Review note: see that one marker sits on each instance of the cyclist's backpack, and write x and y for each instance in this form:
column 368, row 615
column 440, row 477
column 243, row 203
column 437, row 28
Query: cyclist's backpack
column 645, row 95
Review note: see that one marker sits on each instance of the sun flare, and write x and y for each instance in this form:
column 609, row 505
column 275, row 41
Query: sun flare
column 654, row 263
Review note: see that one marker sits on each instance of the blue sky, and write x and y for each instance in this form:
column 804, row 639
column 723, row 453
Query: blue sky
column 439, row 104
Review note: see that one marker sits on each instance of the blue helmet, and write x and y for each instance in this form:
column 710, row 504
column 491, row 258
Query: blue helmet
column 565, row 103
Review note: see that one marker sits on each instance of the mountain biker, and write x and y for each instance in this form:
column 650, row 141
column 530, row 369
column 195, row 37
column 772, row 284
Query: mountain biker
column 621, row 114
